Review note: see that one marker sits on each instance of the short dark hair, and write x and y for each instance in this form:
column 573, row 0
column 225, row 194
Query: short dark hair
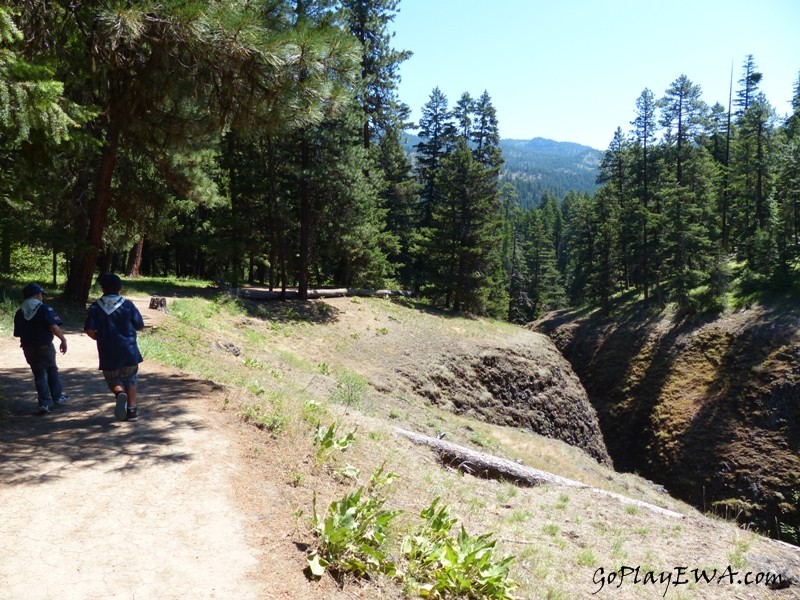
column 110, row 283
column 30, row 290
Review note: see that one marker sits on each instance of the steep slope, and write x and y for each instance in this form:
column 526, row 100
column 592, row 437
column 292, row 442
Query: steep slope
column 527, row 384
column 492, row 372
column 709, row 408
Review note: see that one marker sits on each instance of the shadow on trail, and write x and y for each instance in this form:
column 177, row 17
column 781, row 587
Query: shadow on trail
column 84, row 434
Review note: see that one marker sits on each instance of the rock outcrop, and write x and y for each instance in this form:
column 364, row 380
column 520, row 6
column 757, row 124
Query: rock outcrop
column 526, row 383
column 710, row 408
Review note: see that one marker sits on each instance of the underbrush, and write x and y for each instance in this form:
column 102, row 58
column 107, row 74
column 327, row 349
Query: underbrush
column 8, row 307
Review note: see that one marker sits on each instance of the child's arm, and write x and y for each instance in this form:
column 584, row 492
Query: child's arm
column 136, row 318
column 89, row 325
column 56, row 331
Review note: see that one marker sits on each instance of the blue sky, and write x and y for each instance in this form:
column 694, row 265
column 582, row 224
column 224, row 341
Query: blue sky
column 571, row 70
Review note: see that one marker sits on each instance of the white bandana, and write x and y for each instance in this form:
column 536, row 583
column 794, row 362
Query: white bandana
column 110, row 303
column 30, row 307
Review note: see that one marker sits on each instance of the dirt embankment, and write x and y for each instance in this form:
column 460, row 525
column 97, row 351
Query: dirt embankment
column 708, row 408
column 526, row 384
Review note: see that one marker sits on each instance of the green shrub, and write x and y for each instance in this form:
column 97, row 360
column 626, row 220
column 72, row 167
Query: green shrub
column 274, row 421
column 463, row 567
column 327, row 442
column 350, row 388
column 352, row 533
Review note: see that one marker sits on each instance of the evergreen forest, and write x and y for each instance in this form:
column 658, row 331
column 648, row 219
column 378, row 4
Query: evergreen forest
column 262, row 143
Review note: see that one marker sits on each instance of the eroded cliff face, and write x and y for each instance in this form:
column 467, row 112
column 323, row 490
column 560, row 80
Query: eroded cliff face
column 708, row 408
column 526, row 383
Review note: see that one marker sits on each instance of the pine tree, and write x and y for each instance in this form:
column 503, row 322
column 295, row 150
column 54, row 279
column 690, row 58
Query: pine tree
column 691, row 237
column 719, row 139
column 368, row 21
column 437, row 135
column 553, row 216
column 511, row 213
column 33, row 110
column 615, row 174
column 541, row 281
column 485, row 136
column 683, row 115
column 603, row 277
column 385, row 120
column 400, row 199
column 462, row 245
column 644, row 131
column 748, row 83
column 160, row 75
column 351, row 244
column 793, row 121
column 580, row 233
column 787, row 190
column 788, row 206
column 463, row 115
column 751, row 177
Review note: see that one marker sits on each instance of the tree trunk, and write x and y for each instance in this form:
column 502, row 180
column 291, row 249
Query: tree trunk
column 55, row 266
column 135, row 261
column 305, row 222
column 106, row 262
column 5, row 248
column 80, row 281
column 273, row 259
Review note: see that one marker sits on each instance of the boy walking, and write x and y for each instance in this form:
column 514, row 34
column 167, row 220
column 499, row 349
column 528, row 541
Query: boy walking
column 113, row 322
column 35, row 324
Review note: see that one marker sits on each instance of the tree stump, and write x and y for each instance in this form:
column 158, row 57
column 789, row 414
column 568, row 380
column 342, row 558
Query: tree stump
column 158, row 303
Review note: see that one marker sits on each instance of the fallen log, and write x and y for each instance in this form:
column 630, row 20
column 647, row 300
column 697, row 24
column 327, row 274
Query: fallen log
column 480, row 464
column 315, row 294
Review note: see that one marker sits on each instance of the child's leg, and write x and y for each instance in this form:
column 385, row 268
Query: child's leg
column 54, row 383
column 116, row 384
column 48, row 361
column 131, row 391
column 122, row 384
column 40, row 381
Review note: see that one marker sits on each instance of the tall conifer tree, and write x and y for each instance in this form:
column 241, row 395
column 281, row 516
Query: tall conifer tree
column 644, row 131
column 462, row 245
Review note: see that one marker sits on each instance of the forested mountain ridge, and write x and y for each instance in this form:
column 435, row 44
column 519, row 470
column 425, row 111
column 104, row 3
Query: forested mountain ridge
column 542, row 166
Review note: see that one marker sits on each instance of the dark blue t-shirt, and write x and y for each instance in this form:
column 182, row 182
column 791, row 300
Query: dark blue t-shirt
column 116, row 333
column 36, row 331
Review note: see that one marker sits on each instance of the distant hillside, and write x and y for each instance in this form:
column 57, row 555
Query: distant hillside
column 539, row 165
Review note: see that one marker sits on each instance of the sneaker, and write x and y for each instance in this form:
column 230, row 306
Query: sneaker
column 43, row 410
column 119, row 410
column 133, row 413
column 63, row 399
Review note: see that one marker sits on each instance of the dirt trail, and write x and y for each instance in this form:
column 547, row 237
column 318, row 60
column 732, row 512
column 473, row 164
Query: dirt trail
column 95, row 508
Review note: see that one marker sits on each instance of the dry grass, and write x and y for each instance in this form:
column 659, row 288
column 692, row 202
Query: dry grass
column 337, row 361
